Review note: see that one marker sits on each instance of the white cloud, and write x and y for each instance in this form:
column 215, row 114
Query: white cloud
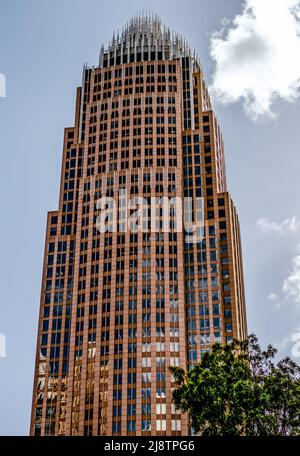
column 273, row 298
column 282, row 344
column 296, row 344
column 291, row 285
column 291, row 225
column 290, row 288
column 257, row 56
column 290, row 344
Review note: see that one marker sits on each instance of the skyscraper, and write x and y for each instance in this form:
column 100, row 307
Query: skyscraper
column 124, row 294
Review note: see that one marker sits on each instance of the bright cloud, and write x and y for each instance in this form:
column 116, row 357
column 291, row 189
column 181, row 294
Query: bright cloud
column 290, row 289
column 257, row 56
column 291, row 285
column 290, row 344
column 273, row 298
column 291, row 225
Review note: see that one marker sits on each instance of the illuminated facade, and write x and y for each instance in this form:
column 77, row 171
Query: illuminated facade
column 119, row 307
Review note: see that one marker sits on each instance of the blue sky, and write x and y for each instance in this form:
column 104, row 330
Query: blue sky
column 43, row 47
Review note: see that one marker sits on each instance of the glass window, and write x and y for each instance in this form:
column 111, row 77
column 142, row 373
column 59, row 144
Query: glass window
column 228, row 327
column 146, row 425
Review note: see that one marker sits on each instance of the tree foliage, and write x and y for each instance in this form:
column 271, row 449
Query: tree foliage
column 238, row 389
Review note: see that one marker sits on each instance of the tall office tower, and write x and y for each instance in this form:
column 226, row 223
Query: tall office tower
column 121, row 303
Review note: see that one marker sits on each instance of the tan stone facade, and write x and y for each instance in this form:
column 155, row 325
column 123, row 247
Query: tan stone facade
column 119, row 307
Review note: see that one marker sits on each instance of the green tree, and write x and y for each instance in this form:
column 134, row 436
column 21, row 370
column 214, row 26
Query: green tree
column 238, row 389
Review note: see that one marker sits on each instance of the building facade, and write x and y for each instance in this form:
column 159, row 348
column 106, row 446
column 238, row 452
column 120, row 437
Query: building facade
column 120, row 305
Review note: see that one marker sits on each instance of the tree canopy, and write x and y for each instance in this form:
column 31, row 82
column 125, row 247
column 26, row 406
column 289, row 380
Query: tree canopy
column 238, row 389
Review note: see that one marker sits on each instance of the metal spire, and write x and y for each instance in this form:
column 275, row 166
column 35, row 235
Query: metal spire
column 141, row 35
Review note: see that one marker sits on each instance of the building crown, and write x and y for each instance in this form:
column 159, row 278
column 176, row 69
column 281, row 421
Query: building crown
column 144, row 37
